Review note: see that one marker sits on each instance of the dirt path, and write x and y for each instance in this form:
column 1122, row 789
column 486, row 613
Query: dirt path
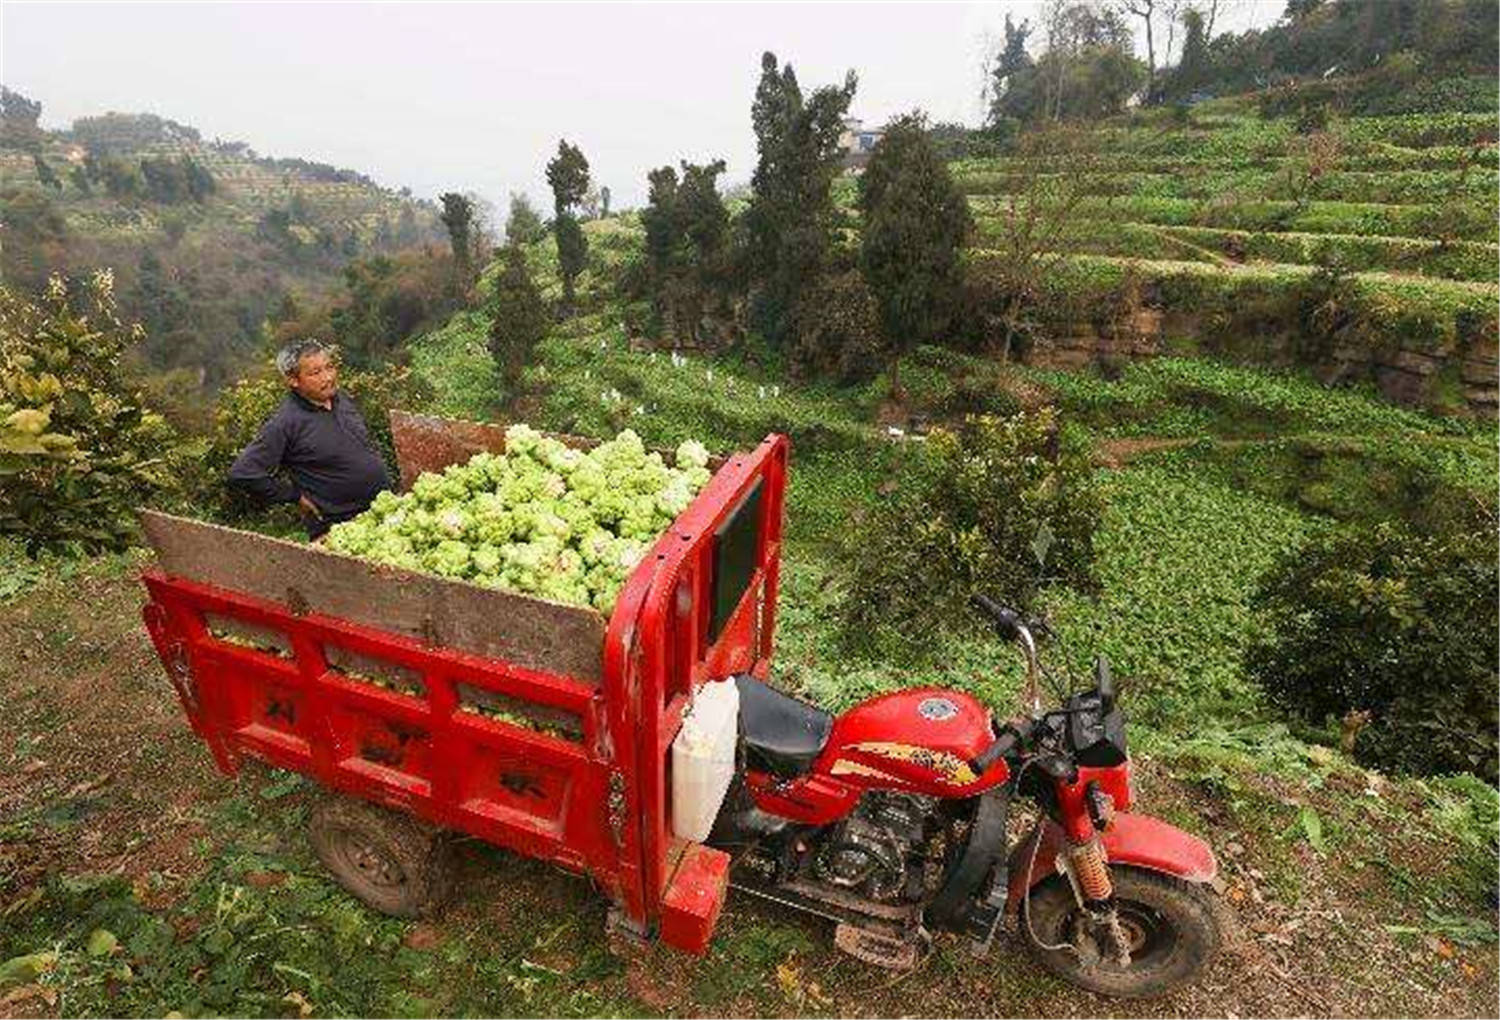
column 99, row 773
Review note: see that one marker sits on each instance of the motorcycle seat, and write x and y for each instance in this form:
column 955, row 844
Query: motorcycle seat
column 783, row 736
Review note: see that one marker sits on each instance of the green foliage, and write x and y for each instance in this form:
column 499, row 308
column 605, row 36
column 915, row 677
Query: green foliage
column 45, row 173
column 687, row 228
column 572, row 250
column 1087, row 70
column 1235, row 307
column 1179, row 557
column 791, row 217
column 387, row 300
column 568, row 176
column 914, row 225
column 1393, row 632
column 1001, row 507
column 171, row 181
column 518, row 317
column 78, row 451
column 458, row 218
column 523, row 224
column 1396, row 41
column 18, row 118
column 837, row 332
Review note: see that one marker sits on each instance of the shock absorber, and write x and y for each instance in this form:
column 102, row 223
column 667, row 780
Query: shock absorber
column 1091, row 871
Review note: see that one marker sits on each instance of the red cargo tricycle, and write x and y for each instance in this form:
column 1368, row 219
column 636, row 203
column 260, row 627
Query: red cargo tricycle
column 432, row 706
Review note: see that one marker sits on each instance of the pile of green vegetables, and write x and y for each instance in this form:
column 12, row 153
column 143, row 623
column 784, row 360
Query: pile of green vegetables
column 542, row 518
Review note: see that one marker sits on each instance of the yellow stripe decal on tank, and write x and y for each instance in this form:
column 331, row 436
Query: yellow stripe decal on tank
column 949, row 767
column 845, row 767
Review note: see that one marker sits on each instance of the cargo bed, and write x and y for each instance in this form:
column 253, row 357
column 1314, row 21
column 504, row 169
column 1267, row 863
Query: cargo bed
column 534, row 725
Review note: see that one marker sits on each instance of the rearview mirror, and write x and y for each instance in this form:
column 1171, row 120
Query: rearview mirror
column 1104, row 683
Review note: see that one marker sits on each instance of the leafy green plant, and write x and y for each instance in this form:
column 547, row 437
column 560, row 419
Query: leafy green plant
column 78, row 450
column 1393, row 633
column 1000, row 506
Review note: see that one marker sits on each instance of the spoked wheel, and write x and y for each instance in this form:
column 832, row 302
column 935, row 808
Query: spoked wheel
column 1169, row 926
column 390, row 862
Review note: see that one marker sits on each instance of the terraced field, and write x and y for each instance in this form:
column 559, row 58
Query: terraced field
column 246, row 188
column 1234, row 228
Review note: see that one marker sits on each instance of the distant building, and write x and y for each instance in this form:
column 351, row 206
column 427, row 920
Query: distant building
column 856, row 142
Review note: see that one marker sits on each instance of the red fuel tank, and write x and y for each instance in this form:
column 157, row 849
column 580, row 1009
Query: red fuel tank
column 922, row 739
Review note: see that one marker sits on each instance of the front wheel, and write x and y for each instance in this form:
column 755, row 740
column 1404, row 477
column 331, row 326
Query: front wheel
column 1170, row 926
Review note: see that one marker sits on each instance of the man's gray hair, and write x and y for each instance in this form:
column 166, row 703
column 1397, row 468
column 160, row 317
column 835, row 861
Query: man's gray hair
column 290, row 356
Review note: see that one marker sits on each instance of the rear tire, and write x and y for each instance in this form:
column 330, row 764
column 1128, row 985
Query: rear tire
column 1172, row 925
column 390, row 862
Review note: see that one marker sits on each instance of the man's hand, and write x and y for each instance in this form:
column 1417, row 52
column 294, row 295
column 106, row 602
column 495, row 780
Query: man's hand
column 309, row 508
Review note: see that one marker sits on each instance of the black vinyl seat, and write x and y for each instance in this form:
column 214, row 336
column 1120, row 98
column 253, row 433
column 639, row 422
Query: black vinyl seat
column 783, row 736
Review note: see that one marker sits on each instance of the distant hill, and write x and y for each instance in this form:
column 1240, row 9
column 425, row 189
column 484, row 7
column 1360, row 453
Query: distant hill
column 206, row 238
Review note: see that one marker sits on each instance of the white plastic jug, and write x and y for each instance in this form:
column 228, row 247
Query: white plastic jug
column 703, row 758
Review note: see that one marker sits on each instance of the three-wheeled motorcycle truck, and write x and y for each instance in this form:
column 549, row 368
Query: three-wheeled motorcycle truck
column 430, row 706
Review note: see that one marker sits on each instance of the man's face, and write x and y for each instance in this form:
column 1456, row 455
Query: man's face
column 316, row 378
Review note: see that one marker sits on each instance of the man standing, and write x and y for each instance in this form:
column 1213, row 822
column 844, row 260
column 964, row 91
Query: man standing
column 318, row 437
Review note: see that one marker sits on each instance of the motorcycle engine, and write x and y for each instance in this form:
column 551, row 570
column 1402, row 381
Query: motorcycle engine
column 868, row 852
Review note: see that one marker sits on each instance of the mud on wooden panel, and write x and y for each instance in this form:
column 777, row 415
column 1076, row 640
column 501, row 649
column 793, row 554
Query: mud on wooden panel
column 427, row 442
column 442, row 613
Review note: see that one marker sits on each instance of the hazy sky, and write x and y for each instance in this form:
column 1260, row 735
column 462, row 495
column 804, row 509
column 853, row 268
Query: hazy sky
column 474, row 96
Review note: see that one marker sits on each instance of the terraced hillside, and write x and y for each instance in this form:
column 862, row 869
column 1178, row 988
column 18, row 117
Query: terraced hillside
column 205, row 238
column 343, row 203
column 1365, row 248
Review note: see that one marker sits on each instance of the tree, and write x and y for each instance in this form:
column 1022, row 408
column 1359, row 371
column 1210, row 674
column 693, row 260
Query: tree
column 915, row 225
column 568, row 176
column 1014, row 70
column 458, row 218
column 572, row 255
column 1146, row 11
column 524, row 224
column 45, row 173
column 518, row 317
column 1190, row 69
column 1057, row 171
column 18, row 119
column 1086, row 71
column 791, row 216
column 406, row 227
column 687, row 228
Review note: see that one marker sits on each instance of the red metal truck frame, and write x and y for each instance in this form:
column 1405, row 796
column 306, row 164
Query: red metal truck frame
column 597, row 806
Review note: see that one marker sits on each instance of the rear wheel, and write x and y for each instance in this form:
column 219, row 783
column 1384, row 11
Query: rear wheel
column 392, row 863
column 1170, row 926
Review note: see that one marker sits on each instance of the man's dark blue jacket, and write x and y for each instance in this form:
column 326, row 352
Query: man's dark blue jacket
column 327, row 452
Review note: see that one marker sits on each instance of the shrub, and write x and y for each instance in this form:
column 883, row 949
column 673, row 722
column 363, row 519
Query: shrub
column 837, row 330
column 78, row 450
column 1002, row 506
column 1394, row 633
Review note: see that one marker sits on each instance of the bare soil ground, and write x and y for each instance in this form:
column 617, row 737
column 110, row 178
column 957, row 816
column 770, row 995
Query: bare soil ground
column 99, row 773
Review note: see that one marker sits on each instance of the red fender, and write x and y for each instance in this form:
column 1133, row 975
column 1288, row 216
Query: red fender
column 1137, row 840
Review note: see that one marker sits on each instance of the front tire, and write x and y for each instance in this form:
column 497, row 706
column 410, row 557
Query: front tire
column 1171, row 925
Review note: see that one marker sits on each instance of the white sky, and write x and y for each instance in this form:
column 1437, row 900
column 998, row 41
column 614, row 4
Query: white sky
column 473, row 97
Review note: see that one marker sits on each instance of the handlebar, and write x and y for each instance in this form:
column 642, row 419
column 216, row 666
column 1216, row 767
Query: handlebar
column 1012, row 625
column 1003, row 747
column 1006, row 619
